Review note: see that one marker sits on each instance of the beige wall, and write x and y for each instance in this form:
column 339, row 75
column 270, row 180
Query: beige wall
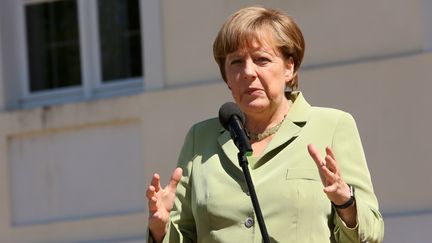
column 335, row 32
column 389, row 99
column 363, row 57
column 163, row 119
column 393, row 120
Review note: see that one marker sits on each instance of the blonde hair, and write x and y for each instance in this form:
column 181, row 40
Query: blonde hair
column 260, row 24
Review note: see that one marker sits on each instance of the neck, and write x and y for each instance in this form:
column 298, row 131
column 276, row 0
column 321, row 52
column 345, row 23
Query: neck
column 259, row 123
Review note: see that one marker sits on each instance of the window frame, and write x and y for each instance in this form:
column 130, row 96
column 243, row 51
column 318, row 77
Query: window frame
column 16, row 72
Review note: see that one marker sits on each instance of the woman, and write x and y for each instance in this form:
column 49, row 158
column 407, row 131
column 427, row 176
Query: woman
column 259, row 52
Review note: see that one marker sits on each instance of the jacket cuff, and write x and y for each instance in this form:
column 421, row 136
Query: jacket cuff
column 150, row 238
column 344, row 231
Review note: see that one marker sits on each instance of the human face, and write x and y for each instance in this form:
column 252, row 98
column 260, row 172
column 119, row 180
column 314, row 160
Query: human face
column 257, row 76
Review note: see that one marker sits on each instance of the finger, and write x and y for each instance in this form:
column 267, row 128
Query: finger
column 329, row 176
column 329, row 151
column 315, row 155
column 331, row 164
column 331, row 188
column 334, row 164
column 150, row 192
column 175, row 178
column 156, row 182
column 318, row 161
column 152, row 203
column 155, row 215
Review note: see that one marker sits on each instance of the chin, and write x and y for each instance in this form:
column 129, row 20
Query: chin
column 255, row 107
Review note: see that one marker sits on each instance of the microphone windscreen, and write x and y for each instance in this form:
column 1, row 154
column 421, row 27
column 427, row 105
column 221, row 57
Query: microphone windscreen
column 227, row 110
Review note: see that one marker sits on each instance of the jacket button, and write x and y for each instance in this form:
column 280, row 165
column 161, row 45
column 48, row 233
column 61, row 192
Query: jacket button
column 249, row 222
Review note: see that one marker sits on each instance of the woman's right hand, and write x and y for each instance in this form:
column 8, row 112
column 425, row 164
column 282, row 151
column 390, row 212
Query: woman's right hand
column 160, row 203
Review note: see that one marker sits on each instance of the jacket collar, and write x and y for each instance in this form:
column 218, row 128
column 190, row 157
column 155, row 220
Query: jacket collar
column 300, row 109
column 296, row 118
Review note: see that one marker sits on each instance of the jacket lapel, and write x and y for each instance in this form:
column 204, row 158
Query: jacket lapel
column 291, row 127
column 228, row 147
column 294, row 121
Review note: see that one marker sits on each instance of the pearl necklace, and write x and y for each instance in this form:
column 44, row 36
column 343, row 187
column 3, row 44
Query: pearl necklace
column 267, row 133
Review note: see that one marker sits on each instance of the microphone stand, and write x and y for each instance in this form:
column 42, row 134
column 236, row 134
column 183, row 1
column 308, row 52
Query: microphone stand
column 244, row 164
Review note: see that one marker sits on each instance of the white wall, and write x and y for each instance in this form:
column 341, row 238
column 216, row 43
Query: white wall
column 418, row 230
column 108, row 178
column 2, row 76
column 390, row 100
column 367, row 58
column 427, row 22
column 336, row 31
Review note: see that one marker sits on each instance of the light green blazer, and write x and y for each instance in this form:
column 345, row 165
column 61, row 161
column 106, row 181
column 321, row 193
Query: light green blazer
column 213, row 205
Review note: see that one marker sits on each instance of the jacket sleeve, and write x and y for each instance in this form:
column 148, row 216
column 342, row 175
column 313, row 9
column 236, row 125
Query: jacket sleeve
column 349, row 153
column 182, row 225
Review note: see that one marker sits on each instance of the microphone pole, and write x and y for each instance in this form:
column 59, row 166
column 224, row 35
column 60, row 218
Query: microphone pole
column 233, row 119
column 244, row 164
column 241, row 140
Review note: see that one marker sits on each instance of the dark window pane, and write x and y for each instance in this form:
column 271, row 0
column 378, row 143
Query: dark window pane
column 53, row 45
column 120, row 39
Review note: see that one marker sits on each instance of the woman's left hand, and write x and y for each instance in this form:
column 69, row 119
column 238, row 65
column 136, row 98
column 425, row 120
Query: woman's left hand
column 334, row 186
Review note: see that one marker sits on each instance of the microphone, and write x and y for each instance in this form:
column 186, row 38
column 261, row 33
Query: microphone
column 233, row 119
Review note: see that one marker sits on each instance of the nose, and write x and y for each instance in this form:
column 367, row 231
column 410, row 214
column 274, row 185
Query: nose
column 249, row 70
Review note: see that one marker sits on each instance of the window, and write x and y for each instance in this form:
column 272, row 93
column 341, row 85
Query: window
column 120, row 39
column 53, row 45
column 68, row 50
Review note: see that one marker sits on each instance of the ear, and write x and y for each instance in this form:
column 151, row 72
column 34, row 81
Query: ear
column 289, row 69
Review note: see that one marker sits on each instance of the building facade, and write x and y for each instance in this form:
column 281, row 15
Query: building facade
column 97, row 95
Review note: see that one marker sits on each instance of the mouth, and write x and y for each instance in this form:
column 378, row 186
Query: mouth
column 254, row 91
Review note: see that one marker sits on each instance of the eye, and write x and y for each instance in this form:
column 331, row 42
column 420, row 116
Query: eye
column 235, row 61
column 262, row 60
